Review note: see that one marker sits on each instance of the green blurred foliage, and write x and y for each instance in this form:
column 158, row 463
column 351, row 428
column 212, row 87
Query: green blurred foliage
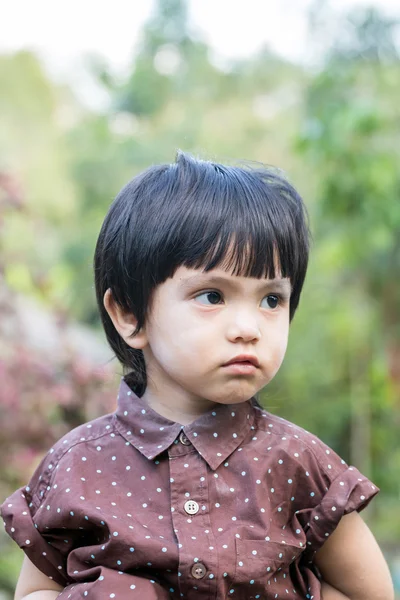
column 334, row 129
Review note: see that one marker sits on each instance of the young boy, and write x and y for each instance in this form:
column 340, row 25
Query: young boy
column 191, row 490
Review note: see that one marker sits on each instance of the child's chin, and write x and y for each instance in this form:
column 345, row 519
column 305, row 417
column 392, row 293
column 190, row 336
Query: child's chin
column 236, row 396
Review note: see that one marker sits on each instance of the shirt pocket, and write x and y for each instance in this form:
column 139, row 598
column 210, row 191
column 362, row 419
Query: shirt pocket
column 258, row 560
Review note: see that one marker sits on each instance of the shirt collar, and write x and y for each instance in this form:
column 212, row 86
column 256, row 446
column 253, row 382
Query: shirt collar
column 215, row 434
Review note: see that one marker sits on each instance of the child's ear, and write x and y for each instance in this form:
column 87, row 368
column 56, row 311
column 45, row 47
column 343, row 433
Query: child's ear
column 124, row 322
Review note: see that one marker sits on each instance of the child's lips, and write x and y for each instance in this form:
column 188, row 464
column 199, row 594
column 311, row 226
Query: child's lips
column 242, row 365
column 241, row 368
column 244, row 359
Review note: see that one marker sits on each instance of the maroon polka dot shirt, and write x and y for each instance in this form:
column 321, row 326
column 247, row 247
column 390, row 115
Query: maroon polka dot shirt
column 233, row 505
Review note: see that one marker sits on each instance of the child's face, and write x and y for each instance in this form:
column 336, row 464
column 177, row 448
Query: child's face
column 200, row 321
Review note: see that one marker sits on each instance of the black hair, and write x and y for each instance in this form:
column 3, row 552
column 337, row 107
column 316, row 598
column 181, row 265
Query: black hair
column 197, row 214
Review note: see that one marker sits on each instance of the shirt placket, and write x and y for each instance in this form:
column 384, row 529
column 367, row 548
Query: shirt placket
column 190, row 510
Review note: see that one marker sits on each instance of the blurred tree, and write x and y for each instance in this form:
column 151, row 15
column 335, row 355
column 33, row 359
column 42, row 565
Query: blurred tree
column 33, row 155
column 350, row 138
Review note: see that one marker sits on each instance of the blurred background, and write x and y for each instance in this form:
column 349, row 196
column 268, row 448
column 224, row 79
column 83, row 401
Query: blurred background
column 91, row 95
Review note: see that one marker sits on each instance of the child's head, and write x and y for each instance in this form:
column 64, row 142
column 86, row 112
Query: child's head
column 176, row 224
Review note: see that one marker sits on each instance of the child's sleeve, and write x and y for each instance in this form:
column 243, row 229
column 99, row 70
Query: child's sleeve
column 44, row 542
column 333, row 490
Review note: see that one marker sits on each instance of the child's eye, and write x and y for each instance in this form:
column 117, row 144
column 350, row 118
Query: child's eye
column 209, row 298
column 271, row 301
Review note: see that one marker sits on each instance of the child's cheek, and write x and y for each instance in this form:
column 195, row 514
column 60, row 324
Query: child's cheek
column 278, row 354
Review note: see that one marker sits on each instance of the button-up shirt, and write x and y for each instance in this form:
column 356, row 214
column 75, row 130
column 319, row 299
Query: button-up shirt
column 233, row 505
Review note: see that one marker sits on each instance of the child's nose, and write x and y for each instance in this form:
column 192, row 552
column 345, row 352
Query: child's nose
column 244, row 327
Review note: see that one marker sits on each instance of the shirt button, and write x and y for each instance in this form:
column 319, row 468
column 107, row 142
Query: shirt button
column 198, row 570
column 184, row 439
column 191, row 507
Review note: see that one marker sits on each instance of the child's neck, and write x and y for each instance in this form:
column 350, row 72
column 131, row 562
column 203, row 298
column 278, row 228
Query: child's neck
column 178, row 409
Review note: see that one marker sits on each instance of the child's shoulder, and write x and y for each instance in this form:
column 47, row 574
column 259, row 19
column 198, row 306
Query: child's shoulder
column 83, row 435
column 73, row 447
column 297, row 442
column 279, row 426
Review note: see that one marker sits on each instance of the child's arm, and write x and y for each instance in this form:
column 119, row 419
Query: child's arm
column 34, row 585
column 352, row 562
column 330, row 593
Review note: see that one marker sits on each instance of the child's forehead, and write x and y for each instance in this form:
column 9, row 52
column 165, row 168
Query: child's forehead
column 187, row 277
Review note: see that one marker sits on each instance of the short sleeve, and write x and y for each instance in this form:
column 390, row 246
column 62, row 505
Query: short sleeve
column 334, row 489
column 44, row 544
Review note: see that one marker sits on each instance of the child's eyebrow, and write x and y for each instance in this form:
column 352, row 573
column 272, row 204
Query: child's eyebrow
column 205, row 280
